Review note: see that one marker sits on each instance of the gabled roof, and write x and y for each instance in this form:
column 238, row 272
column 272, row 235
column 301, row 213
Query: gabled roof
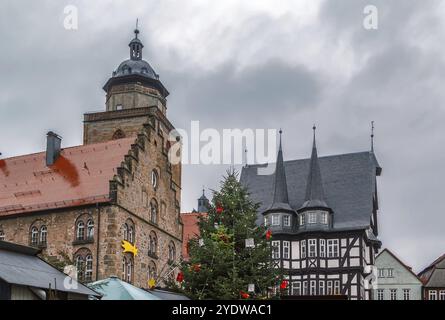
column 80, row 176
column 409, row 269
column 349, row 182
column 19, row 265
column 434, row 275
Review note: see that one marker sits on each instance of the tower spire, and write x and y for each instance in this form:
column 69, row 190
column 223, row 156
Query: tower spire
column 136, row 45
column 314, row 188
column 280, row 196
column 372, row 136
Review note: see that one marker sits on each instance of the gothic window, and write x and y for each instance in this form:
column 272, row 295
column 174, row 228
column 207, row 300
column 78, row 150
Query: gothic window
column 152, row 271
column 80, row 235
column 124, row 268
column 125, row 231
column 131, row 234
column 153, row 244
column 154, row 211
column 129, row 231
column 2, row 235
column 275, row 249
column 90, row 229
column 84, row 264
column 171, row 252
column 130, row 267
column 34, row 236
column 43, row 235
column 154, row 178
column 118, row 134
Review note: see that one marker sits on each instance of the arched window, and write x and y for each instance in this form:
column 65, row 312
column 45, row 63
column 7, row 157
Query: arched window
column 43, row 235
column 124, row 268
column 118, row 134
column 152, row 271
column 125, row 231
column 154, row 211
column 80, row 265
column 171, row 252
column 83, row 260
column 89, row 268
column 154, row 178
column 2, row 235
column 90, row 229
column 131, row 234
column 80, row 235
column 34, row 236
column 153, row 244
column 128, row 270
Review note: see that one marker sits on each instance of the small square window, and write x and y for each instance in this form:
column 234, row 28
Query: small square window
column 286, row 220
column 275, row 220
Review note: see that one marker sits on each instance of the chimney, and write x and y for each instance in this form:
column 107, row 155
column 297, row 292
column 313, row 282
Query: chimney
column 53, row 142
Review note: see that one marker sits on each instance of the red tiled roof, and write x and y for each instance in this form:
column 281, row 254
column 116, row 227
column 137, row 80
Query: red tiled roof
column 190, row 229
column 80, row 176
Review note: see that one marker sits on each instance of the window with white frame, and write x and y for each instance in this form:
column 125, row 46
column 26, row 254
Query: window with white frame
column 321, row 287
column 337, row 287
column 303, row 249
column 90, row 229
column 312, row 217
column 286, row 249
column 305, row 289
column 332, row 248
column 432, row 295
column 322, row 248
column 34, row 236
column 296, row 288
column 381, row 273
column 380, row 294
column 89, row 268
column 313, row 288
column 312, row 243
column 329, row 288
column 302, row 217
column 390, row 273
column 442, row 295
column 406, row 294
column 324, row 218
column 43, row 235
column 393, row 294
column 80, row 265
column 286, row 220
column 275, row 249
column 80, row 230
column 266, row 221
column 2, row 235
column 275, row 219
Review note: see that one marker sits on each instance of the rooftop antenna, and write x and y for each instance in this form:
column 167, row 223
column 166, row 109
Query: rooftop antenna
column 372, row 136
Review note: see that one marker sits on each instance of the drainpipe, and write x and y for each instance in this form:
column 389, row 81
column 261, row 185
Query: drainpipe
column 98, row 241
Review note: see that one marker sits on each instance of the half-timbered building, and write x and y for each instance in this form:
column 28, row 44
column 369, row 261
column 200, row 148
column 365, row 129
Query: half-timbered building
column 323, row 216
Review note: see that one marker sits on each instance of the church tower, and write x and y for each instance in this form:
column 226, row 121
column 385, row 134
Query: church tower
column 134, row 96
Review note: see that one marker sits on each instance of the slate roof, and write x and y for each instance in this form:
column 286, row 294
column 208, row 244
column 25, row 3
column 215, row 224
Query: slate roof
column 79, row 176
column 19, row 265
column 433, row 276
column 349, row 183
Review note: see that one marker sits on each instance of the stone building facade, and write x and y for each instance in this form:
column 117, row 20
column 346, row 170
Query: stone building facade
column 119, row 185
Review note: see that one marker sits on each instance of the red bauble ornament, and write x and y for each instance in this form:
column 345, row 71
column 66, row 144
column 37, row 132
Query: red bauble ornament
column 268, row 235
column 196, row 267
column 180, row 277
column 284, row 284
column 244, row 295
column 219, row 209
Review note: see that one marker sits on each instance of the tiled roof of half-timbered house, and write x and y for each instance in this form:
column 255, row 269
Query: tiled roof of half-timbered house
column 80, row 176
column 349, row 186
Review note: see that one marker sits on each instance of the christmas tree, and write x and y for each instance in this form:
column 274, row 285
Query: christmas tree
column 232, row 257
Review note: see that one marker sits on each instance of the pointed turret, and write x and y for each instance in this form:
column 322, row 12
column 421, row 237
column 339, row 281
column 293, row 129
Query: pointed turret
column 280, row 198
column 314, row 188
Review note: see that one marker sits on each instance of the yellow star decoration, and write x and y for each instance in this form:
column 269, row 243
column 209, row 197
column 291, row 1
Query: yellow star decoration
column 151, row 283
column 128, row 247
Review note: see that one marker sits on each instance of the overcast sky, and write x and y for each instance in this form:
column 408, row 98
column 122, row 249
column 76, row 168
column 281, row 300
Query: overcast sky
column 252, row 64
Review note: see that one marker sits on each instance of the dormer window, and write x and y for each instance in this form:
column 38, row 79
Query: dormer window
column 275, row 219
column 302, row 219
column 286, row 220
column 324, row 218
